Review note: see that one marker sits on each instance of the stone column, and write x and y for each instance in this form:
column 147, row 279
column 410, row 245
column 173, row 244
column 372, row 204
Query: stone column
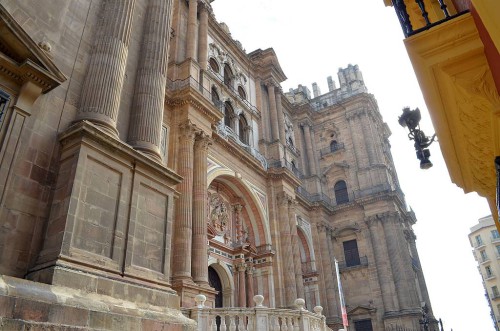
column 410, row 236
column 200, row 256
column 273, row 112
column 191, row 29
column 322, row 299
column 203, row 37
column 238, row 223
column 297, row 261
column 383, row 266
column 184, row 206
column 400, row 262
column 331, row 254
column 281, row 118
column 249, row 285
column 241, row 285
column 149, row 97
column 102, row 86
column 264, row 117
column 290, row 286
column 309, row 150
column 358, row 140
column 328, row 271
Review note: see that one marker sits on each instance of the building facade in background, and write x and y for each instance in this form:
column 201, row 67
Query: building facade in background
column 485, row 240
column 147, row 158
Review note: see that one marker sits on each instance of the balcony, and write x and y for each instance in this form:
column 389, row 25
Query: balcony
column 344, row 266
column 331, row 149
column 226, row 132
column 428, row 15
column 285, row 164
column 258, row 318
column 495, row 239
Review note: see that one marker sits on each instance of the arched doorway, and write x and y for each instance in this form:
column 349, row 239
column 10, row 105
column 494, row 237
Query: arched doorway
column 215, row 282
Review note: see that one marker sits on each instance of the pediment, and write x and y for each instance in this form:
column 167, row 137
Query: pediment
column 22, row 59
column 361, row 310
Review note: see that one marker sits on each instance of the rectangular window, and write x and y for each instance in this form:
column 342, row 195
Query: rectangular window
column 364, row 325
column 494, row 291
column 4, row 100
column 351, row 253
column 489, row 273
column 498, row 250
column 484, row 256
column 479, row 241
column 494, row 234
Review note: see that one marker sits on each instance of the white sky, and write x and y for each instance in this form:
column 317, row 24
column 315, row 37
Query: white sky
column 312, row 40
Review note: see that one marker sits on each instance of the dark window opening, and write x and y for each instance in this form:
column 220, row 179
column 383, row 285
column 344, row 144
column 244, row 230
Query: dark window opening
column 228, row 75
column 364, row 325
column 242, row 128
column 351, row 253
column 228, row 114
column 214, row 65
column 241, row 92
column 215, row 96
column 341, row 195
column 334, row 145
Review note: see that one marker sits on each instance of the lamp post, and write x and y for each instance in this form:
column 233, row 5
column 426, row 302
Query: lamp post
column 411, row 120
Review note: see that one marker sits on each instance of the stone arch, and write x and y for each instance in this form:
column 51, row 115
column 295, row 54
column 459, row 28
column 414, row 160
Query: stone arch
column 226, row 278
column 255, row 208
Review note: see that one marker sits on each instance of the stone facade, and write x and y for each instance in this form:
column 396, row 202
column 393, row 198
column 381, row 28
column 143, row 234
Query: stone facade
column 147, row 158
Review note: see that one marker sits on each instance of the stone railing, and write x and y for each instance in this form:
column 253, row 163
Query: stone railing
column 258, row 318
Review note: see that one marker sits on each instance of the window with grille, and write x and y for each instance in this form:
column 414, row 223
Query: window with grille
column 341, row 195
column 351, row 253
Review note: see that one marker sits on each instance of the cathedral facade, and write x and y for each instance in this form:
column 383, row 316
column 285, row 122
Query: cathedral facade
column 147, row 158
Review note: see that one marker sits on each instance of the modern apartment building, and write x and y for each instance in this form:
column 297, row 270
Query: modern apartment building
column 485, row 240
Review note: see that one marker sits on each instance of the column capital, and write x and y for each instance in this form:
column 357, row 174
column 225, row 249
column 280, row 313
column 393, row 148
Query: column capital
column 202, row 140
column 187, row 130
column 284, row 198
column 271, row 83
column 241, row 267
column 238, row 207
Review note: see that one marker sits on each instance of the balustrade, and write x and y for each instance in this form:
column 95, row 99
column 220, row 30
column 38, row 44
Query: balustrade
column 259, row 318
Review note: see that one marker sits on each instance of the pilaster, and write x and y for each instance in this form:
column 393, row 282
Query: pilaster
column 191, row 29
column 295, row 248
column 273, row 111
column 203, row 37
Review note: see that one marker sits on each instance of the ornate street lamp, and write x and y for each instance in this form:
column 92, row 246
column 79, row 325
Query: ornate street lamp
column 411, row 120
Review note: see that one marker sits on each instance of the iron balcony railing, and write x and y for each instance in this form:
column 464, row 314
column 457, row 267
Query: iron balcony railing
column 285, row 164
column 407, row 25
column 362, row 262
column 331, row 149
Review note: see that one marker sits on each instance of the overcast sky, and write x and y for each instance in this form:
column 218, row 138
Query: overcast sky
column 312, row 40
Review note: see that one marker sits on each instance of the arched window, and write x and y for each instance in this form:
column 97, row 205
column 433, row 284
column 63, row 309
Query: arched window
column 334, row 145
column 241, row 92
column 228, row 75
column 228, row 114
column 242, row 129
column 214, row 65
column 341, row 195
column 215, row 96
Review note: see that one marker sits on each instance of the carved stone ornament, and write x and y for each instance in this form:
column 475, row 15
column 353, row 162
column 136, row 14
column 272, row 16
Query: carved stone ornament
column 219, row 214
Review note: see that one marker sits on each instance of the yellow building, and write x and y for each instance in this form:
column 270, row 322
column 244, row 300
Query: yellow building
column 454, row 49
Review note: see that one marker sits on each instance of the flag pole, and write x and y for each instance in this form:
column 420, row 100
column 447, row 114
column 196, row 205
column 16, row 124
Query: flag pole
column 345, row 321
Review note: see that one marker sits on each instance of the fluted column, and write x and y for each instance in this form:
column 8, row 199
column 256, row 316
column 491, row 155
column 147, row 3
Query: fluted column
column 400, row 262
column 250, row 292
column 264, row 116
column 200, row 255
column 191, row 29
column 290, row 286
column 149, row 97
column 322, row 299
column 238, row 223
column 241, row 285
column 358, row 140
column 331, row 254
column 273, row 112
column 297, row 262
column 184, row 207
column 328, row 272
column 203, row 38
column 383, row 266
column 281, row 118
column 309, row 150
column 103, row 83
column 420, row 273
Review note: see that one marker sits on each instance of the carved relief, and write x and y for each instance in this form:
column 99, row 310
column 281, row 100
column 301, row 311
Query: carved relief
column 219, row 214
